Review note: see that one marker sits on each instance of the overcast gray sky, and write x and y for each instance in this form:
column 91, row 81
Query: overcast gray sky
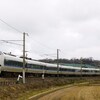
column 73, row 26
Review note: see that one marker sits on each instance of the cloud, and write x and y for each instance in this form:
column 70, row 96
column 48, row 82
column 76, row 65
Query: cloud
column 69, row 25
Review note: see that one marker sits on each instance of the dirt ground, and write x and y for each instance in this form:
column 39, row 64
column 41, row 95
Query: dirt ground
column 75, row 93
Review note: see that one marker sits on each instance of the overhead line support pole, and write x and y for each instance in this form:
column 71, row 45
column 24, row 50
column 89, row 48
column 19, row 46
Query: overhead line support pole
column 24, row 57
column 81, row 67
column 57, row 62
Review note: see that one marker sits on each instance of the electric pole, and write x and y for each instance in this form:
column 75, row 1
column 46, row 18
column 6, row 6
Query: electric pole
column 57, row 62
column 24, row 57
column 81, row 67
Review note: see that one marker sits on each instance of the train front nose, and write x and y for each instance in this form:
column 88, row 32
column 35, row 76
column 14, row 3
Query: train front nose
column 1, row 60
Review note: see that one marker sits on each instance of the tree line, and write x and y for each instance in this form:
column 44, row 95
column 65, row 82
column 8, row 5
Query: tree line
column 89, row 61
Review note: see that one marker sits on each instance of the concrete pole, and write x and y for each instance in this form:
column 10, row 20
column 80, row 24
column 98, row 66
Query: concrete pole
column 57, row 62
column 81, row 67
column 24, row 58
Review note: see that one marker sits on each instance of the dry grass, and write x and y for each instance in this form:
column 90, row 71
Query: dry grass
column 75, row 93
column 96, row 93
column 82, row 93
column 35, row 86
column 22, row 91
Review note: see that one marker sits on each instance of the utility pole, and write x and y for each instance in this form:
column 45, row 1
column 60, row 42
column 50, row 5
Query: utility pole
column 24, row 57
column 57, row 62
column 81, row 67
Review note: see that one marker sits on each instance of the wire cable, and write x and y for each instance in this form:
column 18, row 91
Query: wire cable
column 12, row 43
column 10, row 26
column 11, row 40
column 43, row 46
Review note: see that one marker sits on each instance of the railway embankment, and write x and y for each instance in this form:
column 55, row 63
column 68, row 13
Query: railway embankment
column 35, row 86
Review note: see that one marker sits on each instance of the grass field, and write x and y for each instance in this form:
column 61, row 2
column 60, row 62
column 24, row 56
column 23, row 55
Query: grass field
column 74, row 93
column 82, row 93
column 36, row 86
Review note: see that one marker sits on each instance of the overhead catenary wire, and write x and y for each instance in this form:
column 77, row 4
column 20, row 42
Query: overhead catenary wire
column 52, row 55
column 11, row 42
column 10, row 26
column 8, row 41
column 41, row 55
column 49, row 55
column 44, row 48
column 43, row 45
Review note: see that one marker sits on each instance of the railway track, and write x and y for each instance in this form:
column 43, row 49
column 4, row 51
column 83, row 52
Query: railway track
column 7, row 83
column 12, row 81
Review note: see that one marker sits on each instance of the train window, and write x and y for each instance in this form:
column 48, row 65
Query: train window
column 65, row 69
column 96, row 71
column 34, row 66
column 51, row 68
column 29, row 65
column 85, row 71
column 71, row 70
column 13, row 63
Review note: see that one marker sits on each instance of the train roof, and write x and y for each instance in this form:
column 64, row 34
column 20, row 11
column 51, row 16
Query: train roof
column 70, row 67
column 78, row 65
column 9, row 57
column 15, row 58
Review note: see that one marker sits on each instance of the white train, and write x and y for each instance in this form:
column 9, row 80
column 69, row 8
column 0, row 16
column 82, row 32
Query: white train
column 11, row 63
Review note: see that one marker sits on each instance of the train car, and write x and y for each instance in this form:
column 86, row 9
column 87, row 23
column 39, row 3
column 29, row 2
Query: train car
column 13, row 64
column 10, row 63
